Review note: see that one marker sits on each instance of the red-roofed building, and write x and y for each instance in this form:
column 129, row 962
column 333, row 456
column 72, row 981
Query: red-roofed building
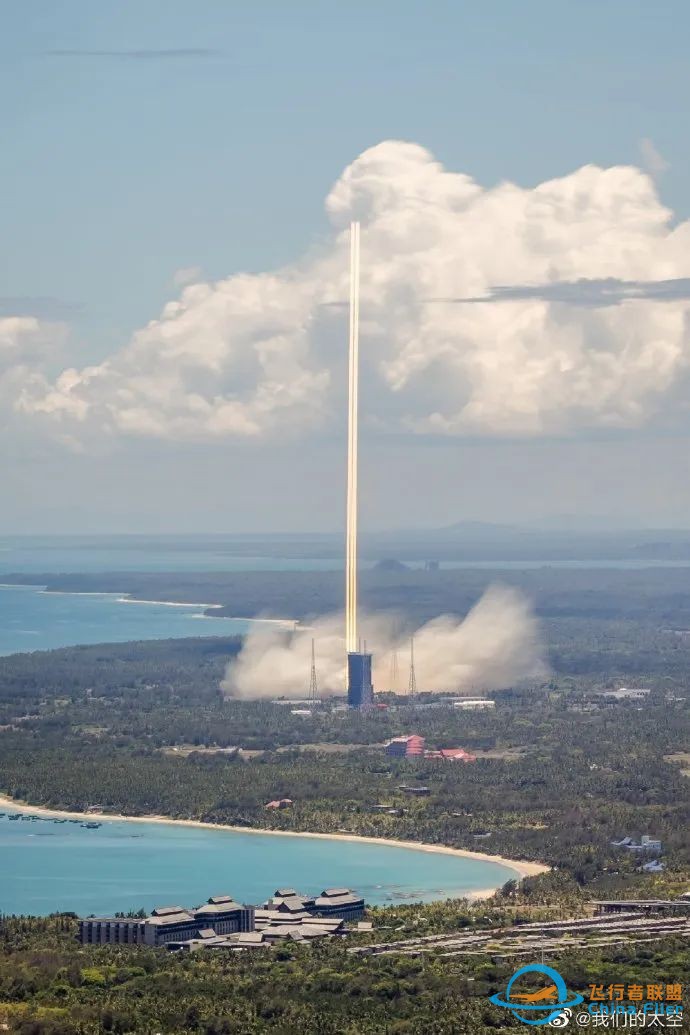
column 415, row 746
column 456, row 755
column 406, row 747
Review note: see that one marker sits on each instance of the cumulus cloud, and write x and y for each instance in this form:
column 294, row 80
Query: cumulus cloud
column 261, row 354
column 496, row 645
column 24, row 343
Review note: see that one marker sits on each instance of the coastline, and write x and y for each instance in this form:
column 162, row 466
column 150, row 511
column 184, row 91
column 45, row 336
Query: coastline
column 521, row 867
column 129, row 598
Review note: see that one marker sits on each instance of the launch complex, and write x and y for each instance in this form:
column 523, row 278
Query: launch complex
column 360, row 692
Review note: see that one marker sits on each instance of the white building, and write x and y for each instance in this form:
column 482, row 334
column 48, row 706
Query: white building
column 468, row 704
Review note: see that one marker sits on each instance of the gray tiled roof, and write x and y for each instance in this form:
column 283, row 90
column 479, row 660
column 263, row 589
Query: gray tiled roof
column 171, row 918
column 338, row 900
column 216, row 908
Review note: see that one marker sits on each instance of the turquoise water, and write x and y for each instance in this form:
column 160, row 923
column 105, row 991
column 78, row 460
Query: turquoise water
column 33, row 620
column 122, row 866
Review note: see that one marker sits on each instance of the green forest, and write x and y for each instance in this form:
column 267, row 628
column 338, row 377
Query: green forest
column 561, row 772
column 143, row 728
column 51, row 986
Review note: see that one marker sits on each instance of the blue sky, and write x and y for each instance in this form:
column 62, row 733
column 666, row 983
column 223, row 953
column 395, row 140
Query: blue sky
column 122, row 169
column 141, row 138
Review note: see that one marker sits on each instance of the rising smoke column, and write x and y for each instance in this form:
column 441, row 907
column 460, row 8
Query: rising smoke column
column 495, row 645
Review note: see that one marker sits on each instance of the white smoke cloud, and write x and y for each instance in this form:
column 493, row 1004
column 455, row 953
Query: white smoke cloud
column 257, row 355
column 496, row 645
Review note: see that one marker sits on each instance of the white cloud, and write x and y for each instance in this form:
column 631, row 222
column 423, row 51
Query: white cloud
column 16, row 333
column 257, row 355
column 25, row 344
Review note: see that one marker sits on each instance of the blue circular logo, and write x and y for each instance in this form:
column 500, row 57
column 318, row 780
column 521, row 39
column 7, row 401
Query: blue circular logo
column 554, row 998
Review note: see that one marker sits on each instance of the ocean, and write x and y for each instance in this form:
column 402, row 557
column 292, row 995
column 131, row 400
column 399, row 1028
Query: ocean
column 31, row 619
column 122, row 866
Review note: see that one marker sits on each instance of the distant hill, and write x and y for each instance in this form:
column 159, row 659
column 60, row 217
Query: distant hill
column 390, row 564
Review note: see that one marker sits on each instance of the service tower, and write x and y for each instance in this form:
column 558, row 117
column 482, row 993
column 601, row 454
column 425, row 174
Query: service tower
column 359, row 689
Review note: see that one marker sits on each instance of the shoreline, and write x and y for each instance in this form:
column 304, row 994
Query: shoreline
column 129, row 598
column 521, row 867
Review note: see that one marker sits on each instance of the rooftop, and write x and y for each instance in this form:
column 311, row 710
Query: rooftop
column 171, row 918
column 215, row 908
column 338, row 900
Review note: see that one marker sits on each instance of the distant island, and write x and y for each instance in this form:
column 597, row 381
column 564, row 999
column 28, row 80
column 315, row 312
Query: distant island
column 390, row 564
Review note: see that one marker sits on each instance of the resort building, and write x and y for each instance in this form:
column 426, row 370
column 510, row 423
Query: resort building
column 223, row 923
column 111, row 931
column 339, row 902
column 220, row 915
column 332, row 902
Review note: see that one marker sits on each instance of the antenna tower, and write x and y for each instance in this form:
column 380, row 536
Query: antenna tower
column 394, row 673
column 412, row 686
column 313, row 687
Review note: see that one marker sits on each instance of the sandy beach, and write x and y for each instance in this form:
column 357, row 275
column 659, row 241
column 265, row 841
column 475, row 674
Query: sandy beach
column 521, row 867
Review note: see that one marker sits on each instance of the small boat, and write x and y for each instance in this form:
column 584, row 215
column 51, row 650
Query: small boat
column 91, row 826
column 18, row 816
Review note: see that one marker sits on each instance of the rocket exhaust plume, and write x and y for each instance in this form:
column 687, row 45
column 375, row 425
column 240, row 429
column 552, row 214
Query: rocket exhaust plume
column 496, row 645
column 352, row 443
